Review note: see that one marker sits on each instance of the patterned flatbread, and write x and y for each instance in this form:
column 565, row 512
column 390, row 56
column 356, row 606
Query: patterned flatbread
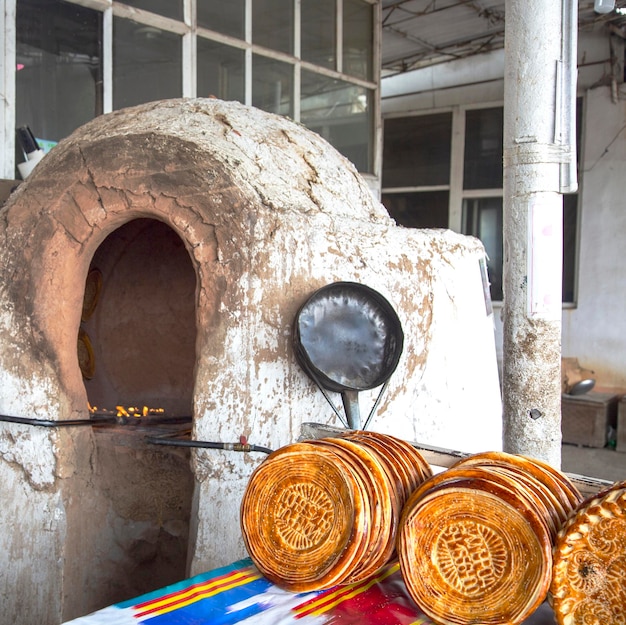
column 589, row 572
column 474, row 549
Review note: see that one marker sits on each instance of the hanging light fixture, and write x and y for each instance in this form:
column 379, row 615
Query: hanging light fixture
column 603, row 6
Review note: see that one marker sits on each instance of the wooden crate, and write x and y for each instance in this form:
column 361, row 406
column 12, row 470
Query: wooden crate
column 586, row 419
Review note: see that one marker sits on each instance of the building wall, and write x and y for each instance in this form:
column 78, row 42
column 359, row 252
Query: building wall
column 594, row 328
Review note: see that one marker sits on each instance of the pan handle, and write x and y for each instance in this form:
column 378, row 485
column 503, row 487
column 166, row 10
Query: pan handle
column 350, row 400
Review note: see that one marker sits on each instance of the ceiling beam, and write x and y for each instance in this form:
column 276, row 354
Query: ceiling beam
column 413, row 15
column 455, row 48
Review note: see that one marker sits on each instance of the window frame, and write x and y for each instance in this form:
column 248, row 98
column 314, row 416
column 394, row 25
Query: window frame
column 190, row 31
column 457, row 194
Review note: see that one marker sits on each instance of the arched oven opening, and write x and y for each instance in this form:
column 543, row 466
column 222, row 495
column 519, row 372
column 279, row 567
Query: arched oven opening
column 136, row 351
column 139, row 318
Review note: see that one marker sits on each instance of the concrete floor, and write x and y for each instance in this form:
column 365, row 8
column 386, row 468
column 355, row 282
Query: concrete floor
column 602, row 463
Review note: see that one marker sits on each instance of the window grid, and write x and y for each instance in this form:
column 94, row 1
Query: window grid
column 190, row 32
column 191, row 29
column 459, row 197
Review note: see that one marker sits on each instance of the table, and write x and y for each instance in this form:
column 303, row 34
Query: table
column 239, row 594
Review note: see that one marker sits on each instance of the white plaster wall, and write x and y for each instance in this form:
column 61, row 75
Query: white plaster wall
column 32, row 518
column 34, row 528
column 445, row 391
column 595, row 330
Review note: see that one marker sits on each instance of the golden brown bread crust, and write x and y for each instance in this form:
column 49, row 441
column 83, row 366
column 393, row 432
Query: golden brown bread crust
column 557, row 484
column 379, row 492
column 554, row 489
column 589, row 571
column 469, row 556
column 404, row 464
column 302, row 517
column 325, row 512
column 475, row 541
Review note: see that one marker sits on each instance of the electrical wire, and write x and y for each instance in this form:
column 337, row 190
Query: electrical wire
column 155, row 440
column 50, row 423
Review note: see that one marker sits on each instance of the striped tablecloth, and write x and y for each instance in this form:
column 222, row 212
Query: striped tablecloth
column 238, row 593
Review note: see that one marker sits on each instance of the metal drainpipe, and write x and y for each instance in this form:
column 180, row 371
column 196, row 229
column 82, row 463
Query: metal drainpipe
column 536, row 146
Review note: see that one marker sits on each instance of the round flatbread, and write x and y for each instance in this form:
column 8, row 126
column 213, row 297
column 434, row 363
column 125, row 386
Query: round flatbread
column 303, row 517
column 589, row 571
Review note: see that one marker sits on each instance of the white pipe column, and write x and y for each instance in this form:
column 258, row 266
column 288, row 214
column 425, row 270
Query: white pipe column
column 533, row 230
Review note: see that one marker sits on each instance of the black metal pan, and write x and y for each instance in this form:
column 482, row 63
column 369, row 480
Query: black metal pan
column 348, row 338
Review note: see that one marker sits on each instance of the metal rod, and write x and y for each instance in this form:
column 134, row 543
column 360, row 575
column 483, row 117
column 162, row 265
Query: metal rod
column 565, row 115
column 327, row 397
column 174, row 442
column 371, row 414
column 96, row 419
column 351, row 406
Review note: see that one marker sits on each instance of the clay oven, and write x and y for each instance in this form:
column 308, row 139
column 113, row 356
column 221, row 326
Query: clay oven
column 210, row 223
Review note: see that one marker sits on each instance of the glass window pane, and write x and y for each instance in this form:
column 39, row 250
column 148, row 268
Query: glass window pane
column 570, row 227
column 319, row 40
column 220, row 71
column 224, row 17
column 272, row 24
column 483, row 149
column 272, row 85
column 147, row 64
column 358, row 28
column 416, row 150
column 570, row 223
column 168, row 8
column 418, row 210
column 59, row 67
column 341, row 113
column 482, row 218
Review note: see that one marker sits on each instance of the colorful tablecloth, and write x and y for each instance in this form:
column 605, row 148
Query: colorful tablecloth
column 238, row 593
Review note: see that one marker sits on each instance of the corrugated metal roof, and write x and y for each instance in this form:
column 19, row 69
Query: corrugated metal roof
column 417, row 33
